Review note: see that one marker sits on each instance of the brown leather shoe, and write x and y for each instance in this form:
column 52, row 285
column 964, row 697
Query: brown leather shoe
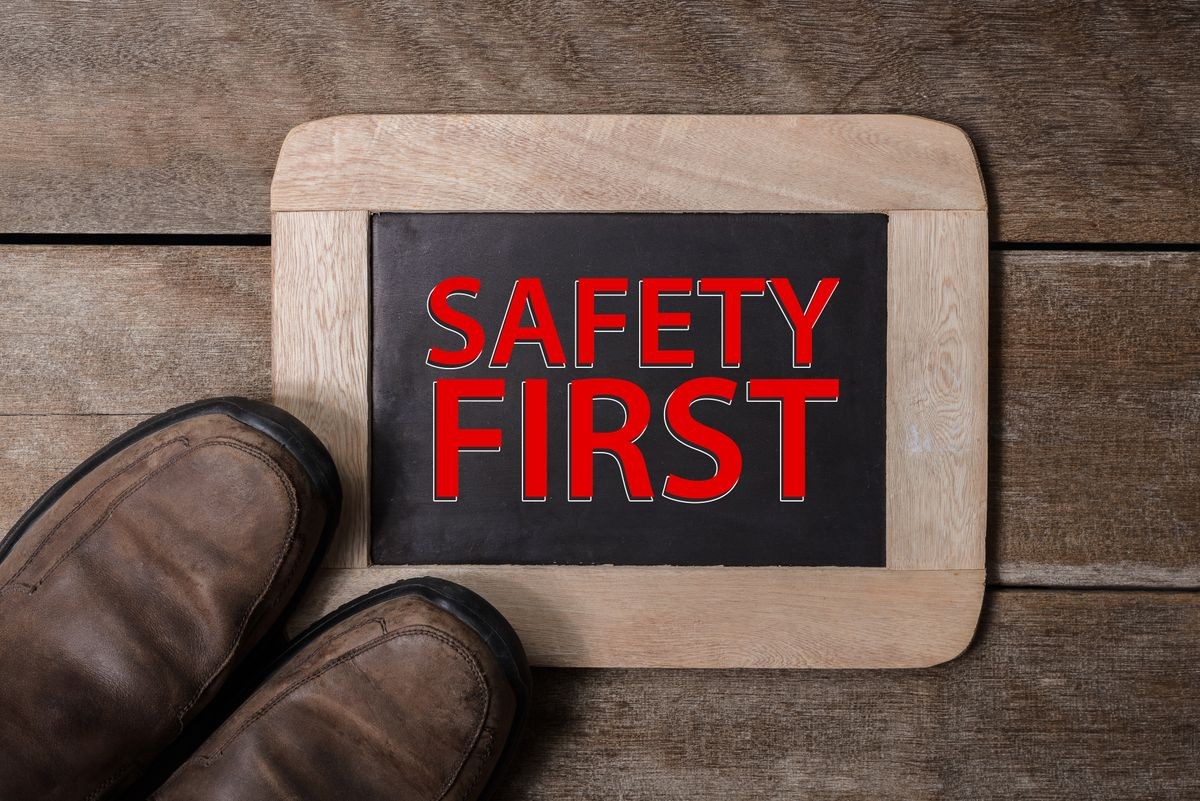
column 417, row 691
column 130, row 590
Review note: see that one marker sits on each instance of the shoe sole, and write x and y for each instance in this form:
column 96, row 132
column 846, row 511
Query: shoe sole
column 469, row 608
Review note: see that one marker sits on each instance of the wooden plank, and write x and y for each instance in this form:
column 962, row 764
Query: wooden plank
column 321, row 356
column 1095, row 407
column 937, row 389
column 1086, row 119
column 1095, row 418
column 704, row 617
column 1064, row 695
column 644, row 163
column 103, row 330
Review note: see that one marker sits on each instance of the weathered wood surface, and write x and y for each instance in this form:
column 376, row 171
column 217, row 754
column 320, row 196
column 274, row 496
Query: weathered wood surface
column 131, row 330
column 1064, row 695
column 645, row 616
column 1095, row 388
column 627, row 162
column 1095, row 418
column 168, row 117
column 321, row 352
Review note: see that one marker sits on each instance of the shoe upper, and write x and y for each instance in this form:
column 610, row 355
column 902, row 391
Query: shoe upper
column 400, row 700
column 126, row 604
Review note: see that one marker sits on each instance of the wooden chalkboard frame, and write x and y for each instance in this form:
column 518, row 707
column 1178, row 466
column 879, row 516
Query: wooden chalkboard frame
column 921, row 609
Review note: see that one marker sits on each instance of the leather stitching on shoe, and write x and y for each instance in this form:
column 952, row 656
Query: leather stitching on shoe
column 283, row 551
column 284, row 548
column 408, row 631
column 483, row 760
column 58, row 526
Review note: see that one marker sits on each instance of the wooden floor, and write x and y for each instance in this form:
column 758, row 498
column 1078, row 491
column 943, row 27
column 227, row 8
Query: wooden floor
column 1082, row 682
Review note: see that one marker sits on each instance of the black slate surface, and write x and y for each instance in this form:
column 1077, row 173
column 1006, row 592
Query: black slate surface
column 841, row 521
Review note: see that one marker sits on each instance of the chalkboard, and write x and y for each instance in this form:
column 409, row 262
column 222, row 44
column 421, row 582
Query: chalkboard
column 588, row 365
column 535, row 328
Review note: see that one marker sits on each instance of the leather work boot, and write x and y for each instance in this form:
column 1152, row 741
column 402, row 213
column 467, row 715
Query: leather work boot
column 417, row 691
column 134, row 586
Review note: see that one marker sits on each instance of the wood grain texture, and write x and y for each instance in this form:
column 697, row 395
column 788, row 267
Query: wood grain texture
column 168, row 117
column 1063, row 696
column 84, row 332
column 645, row 163
column 706, row 617
column 321, row 352
column 937, row 389
column 1095, row 400
column 1095, row 418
